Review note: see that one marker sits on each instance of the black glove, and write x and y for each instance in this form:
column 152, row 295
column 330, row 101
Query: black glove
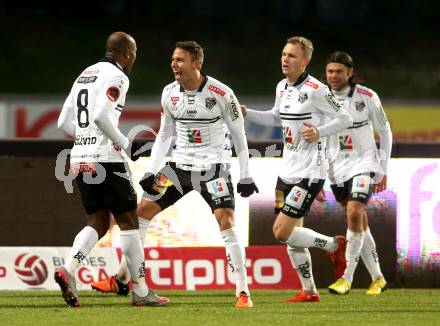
column 147, row 181
column 133, row 148
column 246, row 187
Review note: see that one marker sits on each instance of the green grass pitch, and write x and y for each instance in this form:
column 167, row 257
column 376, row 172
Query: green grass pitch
column 393, row 307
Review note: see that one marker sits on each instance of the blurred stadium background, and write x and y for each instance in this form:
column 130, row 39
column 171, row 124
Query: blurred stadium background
column 44, row 47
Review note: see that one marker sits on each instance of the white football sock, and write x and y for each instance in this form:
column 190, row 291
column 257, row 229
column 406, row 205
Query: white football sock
column 352, row 253
column 132, row 249
column 306, row 238
column 370, row 257
column 84, row 242
column 143, row 227
column 302, row 263
column 236, row 257
column 123, row 274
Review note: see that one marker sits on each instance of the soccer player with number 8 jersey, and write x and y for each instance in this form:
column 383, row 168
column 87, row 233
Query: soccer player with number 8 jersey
column 90, row 114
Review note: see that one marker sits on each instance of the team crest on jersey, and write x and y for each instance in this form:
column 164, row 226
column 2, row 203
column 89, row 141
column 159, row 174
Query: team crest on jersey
column 113, row 93
column 360, row 106
column 210, row 102
column 302, row 97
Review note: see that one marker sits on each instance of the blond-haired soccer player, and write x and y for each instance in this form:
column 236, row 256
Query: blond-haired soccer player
column 307, row 112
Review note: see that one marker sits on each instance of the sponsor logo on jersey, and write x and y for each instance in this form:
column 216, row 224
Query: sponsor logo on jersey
column 333, row 102
column 210, row 102
column 91, row 72
column 191, row 99
column 345, row 143
column 233, row 110
column 194, row 136
column 216, row 90
column 113, row 93
column 364, row 92
column 311, row 84
column 288, row 138
column 81, row 140
column 174, row 100
column 281, row 93
column 86, row 80
column 359, row 106
column 302, row 97
column 191, row 112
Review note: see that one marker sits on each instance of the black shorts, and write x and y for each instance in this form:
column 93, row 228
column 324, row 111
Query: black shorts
column 358, row 188
column 174, row 181
column 295, row 199
column 114, row 193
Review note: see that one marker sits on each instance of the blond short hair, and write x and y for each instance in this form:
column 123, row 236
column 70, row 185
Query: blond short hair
column 305, row 44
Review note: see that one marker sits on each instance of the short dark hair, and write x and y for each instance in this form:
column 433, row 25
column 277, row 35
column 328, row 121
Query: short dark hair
column 193, row 48
column 344, row 59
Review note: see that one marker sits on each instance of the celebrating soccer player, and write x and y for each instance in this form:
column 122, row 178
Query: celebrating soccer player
column 354, row 163
column 196, row 108
column 308, row 112
column 90, row 114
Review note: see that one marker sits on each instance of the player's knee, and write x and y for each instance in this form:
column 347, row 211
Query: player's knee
column 280, row 234
column 147, row 209
column 225, row 218
column 225, row 221
column 355, row 213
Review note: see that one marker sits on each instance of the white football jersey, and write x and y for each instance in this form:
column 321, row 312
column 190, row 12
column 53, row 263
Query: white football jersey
column 103, row 84
column 308, row 100
column 202, row 119
column 353, row 150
